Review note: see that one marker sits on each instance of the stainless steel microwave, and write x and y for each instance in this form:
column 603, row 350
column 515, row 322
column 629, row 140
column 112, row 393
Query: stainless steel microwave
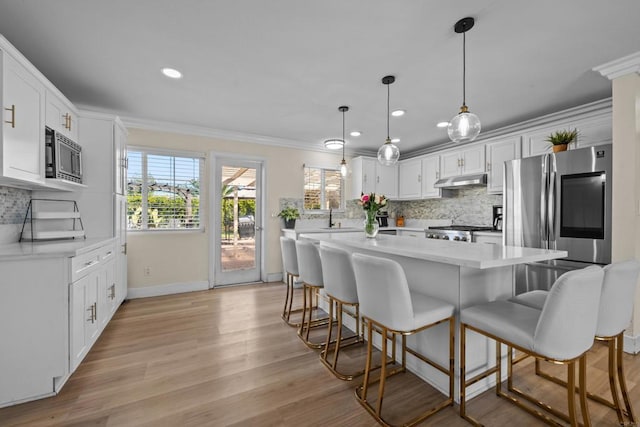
column 63, row 157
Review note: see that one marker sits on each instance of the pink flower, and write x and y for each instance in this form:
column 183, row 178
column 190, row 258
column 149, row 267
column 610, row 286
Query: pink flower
column 364, row 198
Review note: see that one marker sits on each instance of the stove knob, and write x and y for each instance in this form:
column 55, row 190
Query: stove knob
column 464, row 239
column 445, row 237
column 457, row 238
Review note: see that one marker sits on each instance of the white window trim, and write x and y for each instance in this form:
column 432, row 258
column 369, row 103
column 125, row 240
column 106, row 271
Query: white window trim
column 174, row 153
column 343, row 205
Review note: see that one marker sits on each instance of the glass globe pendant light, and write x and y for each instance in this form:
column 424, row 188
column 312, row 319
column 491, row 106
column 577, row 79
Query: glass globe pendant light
column 343, row 163
column 465, row 126
column 388, row 153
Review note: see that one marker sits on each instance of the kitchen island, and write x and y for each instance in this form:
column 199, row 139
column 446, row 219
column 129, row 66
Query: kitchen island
column 463, row 274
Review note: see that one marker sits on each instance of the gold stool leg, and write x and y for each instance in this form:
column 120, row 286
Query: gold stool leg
column 383, row 373
column 571, row 401
column 621, row 379
column 582, row 367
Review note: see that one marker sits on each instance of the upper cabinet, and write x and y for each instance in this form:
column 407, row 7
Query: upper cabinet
column 462, row 162
column 417, row 176
column 22, row 138
column 121, row 163
column 499, row 151
column 61, row 116
column 369, row 176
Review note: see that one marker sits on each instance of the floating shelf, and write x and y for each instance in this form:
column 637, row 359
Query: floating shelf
column 52, row 219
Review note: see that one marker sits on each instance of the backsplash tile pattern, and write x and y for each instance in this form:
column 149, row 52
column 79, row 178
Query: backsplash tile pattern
column 467, row 206
column 13, row 205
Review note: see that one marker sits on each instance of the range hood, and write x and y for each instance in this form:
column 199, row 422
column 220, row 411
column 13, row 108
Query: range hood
column 462, row 181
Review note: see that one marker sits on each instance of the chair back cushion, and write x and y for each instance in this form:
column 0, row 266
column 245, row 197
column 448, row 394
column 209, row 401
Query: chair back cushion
column 309, row 264
column 567, row 325
column 337, row 273
column 383, row 291
column 289, row 256
column 618, row 295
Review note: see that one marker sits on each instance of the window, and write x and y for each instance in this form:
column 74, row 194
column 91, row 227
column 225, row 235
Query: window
column 323, row 189
column 163, row 190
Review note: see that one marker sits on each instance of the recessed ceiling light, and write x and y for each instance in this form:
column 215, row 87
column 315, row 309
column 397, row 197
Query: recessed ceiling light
column 398, row 113
column 333, row 144
column 355, row 133
column 172, row 73
column 442, row 124
column 395, row 140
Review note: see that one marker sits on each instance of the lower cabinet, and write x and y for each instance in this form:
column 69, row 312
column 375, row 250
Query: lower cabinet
column 93, row 299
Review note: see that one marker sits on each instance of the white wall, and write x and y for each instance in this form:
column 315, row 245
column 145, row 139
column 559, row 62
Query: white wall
column 183, row 257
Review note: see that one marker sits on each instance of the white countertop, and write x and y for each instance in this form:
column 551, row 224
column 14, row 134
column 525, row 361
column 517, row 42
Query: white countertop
column 54, row 248
column 472, row 255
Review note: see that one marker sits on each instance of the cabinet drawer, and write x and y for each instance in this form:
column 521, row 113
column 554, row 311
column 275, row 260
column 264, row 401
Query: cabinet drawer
column 107, row 253
column 84, row 264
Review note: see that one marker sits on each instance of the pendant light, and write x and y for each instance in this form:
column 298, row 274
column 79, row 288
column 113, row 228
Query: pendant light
column 343, row 163
column 465, row 126
column 388, row 153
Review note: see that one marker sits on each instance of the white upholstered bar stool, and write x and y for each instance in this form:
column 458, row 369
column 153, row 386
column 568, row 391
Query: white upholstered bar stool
column 389, row 307
column 340, row 288
column 562, row 332
column 310, row 269
column 290, row 261
column 614, row 315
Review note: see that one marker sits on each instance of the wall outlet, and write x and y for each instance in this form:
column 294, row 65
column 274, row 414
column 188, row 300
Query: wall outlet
column 147, row 271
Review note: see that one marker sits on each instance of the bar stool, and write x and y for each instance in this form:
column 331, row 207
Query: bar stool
column 614, row 315
column 388, row 306
column 310, row 269
column 290, row 261
column 340, row 288
column 562, row 332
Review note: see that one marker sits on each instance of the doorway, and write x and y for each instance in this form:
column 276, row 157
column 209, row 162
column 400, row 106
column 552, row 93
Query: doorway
column 237, row 221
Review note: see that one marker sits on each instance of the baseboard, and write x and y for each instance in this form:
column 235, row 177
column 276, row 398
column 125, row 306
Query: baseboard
column 631, row 344
column 274, row 277
column 167, row 289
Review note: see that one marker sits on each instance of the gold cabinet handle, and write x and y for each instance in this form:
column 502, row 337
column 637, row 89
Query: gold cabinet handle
column 92, row 310
column 124, row 249
column 95, row 311
column 13, row 115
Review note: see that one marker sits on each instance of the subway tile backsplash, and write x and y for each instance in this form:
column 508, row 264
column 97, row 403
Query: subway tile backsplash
column 13, row 205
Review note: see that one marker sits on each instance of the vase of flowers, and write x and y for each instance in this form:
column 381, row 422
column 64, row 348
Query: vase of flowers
column 372, row 203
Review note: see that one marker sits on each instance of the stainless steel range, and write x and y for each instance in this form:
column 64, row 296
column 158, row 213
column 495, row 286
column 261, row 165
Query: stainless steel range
column 459, row 233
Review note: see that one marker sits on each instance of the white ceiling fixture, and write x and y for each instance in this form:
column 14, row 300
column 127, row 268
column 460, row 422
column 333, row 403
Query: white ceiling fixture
column 388, row 153
column 333, row 144
column 172, row 73
column 464, row 127
column 395, row 140
column 442, row 124
column 355, row 133
column 398, row 113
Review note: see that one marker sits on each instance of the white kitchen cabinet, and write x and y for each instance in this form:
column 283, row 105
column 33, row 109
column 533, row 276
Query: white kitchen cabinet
column 369, row 176
column 430, row 174
column 499, row 151
column 121, row 248
column 33, row 327
column 83, row 317
column 120, row 157
column 487, row 237
column 61, row 116
column 593, row 131
column 462, row 162
column 410, row 179
column 22, row 138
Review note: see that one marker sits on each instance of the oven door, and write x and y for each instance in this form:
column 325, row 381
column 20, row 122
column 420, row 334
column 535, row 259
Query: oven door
column 580, row 204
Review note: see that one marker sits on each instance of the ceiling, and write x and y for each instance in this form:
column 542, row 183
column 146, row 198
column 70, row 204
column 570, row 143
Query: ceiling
column 277, row 71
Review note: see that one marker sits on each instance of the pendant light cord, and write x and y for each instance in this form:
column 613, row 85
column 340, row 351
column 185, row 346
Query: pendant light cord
column 464, row 69
column 388, row 94
column 343, row 141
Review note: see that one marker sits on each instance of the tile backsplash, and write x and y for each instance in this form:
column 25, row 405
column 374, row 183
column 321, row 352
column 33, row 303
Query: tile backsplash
column 466, row 206
column 13, row 205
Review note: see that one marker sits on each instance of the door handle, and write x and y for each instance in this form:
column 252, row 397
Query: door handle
column 551, row 203
column 259, row 228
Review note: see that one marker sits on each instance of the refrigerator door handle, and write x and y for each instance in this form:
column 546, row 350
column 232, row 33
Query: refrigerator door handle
column 543, row 211
column 551, row 216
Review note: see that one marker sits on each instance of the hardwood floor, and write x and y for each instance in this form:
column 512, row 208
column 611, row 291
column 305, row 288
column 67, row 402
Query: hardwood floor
column 225, row 358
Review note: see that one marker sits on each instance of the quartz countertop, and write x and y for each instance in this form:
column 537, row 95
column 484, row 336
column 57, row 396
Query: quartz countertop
column 52, row 248
column 472, row 255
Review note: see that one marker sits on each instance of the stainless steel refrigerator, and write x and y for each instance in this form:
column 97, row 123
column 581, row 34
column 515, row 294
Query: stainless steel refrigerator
column 559, row 201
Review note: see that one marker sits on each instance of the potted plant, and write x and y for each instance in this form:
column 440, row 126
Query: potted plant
column 289, row 215
column 560, row 139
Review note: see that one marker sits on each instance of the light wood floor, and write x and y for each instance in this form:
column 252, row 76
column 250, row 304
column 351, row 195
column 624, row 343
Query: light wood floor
column 224, row 357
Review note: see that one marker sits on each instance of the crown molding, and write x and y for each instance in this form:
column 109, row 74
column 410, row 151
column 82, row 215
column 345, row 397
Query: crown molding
column 620, row 67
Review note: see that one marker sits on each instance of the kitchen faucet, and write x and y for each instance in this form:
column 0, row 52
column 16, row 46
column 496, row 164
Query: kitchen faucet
column 331, row 224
